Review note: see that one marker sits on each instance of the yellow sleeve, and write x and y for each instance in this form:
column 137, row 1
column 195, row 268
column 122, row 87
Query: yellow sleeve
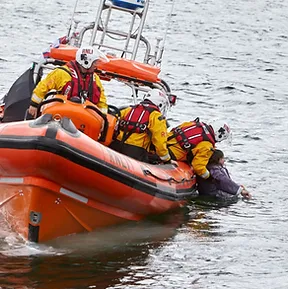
column 56, row 79
column 158, row 129
column 102, row 104
column 202, row 153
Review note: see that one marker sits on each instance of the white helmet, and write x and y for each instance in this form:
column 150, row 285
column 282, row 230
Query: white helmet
column 222, row 131
column 86, row 55
column 159, row 98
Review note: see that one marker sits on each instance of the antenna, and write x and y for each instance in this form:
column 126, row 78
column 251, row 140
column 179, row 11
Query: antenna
column 167, row 28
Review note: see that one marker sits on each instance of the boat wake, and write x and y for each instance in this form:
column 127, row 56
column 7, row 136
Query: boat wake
column 12, row 244
column 118, row 238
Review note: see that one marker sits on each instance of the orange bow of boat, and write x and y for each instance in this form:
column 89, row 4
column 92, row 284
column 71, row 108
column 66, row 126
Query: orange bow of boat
column 56, row 180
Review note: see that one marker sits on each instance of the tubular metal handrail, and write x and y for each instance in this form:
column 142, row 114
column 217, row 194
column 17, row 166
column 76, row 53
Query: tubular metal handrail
column 127, row 35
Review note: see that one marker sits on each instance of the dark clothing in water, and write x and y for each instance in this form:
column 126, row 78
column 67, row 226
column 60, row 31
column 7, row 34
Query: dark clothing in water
column 219, row 185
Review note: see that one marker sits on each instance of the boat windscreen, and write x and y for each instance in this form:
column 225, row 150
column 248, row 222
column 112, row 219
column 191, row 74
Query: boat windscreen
column 17, row 100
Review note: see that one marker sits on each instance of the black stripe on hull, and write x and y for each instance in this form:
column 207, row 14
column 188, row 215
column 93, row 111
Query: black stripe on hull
column 93, row 163
column 33, row 233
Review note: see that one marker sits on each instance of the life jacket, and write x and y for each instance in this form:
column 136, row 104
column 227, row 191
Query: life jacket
column 78, row 87
column 189, row 136
column 137, row 119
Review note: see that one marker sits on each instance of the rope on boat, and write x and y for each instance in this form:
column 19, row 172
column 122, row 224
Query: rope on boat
column 170, row 180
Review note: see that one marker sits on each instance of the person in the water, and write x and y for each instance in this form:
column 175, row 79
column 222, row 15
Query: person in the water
column 220, row 185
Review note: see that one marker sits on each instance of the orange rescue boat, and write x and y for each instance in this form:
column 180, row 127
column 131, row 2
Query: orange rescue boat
column 56, row 180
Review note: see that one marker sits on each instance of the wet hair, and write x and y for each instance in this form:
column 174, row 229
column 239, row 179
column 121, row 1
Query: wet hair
column 216, row 156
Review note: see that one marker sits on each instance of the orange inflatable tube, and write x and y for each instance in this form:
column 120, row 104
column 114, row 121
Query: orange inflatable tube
column 121, row 66
column 65, row 182
column 86, row 117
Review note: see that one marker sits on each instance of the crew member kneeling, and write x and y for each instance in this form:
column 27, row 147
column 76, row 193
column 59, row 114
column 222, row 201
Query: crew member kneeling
column 142, row 125
column 194, row 142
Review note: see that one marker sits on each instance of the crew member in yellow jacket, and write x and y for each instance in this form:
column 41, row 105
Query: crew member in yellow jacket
column 142, row 125
column 75, row 79
column 194, row 141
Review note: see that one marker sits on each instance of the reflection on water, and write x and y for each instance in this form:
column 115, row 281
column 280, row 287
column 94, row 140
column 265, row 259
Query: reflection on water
column 94, row 259
column 117, row 257
column 193, row 246
column 201, row 226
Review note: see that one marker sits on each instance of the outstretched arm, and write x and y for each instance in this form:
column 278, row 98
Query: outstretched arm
column 102, row 104
column 54, row 80
column 158, row 129
column 202, row 153
column 225, row 183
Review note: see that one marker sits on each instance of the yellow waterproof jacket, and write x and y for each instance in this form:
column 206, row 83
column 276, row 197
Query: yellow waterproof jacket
column 158, row 129
column 201, row 153
column 57, row 79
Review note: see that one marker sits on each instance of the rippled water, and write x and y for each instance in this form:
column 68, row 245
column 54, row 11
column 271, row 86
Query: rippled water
column 226, row 59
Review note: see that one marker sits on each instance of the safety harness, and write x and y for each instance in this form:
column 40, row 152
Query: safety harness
column 86, row 88
column 191, row 135
column 137, row 120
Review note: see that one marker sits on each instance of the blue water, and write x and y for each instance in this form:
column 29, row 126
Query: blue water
column 224, row 59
